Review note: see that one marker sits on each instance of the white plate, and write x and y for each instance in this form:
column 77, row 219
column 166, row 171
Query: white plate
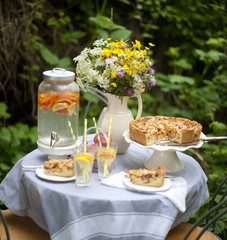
column 40, row 173
column 146, row 189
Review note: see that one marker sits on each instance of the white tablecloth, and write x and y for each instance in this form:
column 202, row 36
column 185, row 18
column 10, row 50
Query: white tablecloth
column 100, row 211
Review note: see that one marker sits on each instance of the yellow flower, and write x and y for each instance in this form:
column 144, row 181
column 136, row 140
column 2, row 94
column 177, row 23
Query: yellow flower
column 143, row 52
column 137, row 44
column 114, row 84
column 125, row 67
column 120, row 44
column 117, row 52
column 113, row 74
column 151, row 44
column 106, row 53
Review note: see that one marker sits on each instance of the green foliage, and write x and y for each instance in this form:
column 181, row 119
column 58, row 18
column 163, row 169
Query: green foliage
column 3, row 111
column 51, row 58
column 16, row 141
column 88, row 109
column 107, row 28
column 190, row 62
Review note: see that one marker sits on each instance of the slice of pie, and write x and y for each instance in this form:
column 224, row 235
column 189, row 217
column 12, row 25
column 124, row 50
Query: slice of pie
column 148, row 177
column 63, row 168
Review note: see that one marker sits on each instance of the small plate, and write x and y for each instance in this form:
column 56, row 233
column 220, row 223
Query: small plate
column 40, row 173
column 146, row 189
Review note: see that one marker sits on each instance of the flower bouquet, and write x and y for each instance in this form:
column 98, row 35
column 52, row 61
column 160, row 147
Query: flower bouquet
column 115, row 67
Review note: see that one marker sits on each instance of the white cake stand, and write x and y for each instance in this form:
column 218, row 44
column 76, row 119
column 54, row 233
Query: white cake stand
column 165, row 154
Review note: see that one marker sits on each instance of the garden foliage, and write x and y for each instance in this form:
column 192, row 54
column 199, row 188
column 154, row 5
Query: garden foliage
column 189, row 53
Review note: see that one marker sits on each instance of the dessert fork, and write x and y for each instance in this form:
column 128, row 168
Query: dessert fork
column 31, row 166
column 203, row 139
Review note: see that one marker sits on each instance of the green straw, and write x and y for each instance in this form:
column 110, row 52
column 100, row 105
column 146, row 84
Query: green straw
column 85, row 135
column 109, row 132
column 97, row 132
column 73, row 136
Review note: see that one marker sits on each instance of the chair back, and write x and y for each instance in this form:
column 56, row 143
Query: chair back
column 216, row 209
column 5, row 226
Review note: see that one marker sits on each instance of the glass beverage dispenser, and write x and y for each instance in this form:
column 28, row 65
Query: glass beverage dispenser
column 58, row 104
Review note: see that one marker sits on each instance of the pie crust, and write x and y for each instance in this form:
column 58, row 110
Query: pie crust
column 153, row 129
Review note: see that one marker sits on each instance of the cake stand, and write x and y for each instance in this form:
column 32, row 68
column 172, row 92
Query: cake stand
column 165, row 153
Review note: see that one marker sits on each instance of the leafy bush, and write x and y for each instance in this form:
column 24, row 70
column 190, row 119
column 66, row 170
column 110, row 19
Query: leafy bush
column 16, row 141
column 190, row 61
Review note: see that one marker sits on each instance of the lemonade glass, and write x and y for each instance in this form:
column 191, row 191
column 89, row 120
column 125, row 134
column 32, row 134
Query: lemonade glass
column 105, row 158
column 84, row 164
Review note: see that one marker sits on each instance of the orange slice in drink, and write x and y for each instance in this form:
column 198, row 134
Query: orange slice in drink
column 72, row 109
column 60, row 107
column 46, row 100
column 63, row 103
column 63, row 100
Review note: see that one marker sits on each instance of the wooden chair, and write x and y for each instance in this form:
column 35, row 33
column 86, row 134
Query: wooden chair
column 4, row 227
column 187, row 231
column 20, row 228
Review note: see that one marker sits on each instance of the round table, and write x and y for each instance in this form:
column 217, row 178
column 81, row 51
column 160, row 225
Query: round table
column 100, row 211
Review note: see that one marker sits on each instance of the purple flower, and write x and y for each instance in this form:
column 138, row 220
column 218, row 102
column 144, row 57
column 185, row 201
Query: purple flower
column 129, row 91
column 143, row 86
column 152, row 82
column 151, row 71
column 120, row 74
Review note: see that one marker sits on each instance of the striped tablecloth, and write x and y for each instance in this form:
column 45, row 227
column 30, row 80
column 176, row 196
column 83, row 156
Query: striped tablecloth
column 100, row 211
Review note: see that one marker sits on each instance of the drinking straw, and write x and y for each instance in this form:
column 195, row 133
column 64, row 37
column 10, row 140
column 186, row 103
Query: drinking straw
column 109, row 132
column 85, row 135
column 97, row 132
column 73, row 136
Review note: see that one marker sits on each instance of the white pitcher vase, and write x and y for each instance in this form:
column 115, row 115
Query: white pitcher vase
column 121, row 117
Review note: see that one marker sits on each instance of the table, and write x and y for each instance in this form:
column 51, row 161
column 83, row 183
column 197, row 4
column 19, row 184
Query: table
column 99, row 211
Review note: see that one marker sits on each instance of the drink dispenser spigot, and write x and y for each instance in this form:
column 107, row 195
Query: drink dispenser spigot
column 58, row 104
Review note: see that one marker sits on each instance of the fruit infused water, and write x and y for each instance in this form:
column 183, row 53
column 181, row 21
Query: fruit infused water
column 58, row 103
column 54, row 111
column 105, row 158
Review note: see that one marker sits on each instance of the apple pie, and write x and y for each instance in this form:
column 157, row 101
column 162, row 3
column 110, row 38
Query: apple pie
column 63, row 168
column 148, row 177
column 153, row 129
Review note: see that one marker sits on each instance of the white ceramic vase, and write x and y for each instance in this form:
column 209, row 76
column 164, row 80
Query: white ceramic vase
column 121, row 117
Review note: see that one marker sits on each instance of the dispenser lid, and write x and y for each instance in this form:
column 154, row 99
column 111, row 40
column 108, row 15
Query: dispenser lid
column 58, row 74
